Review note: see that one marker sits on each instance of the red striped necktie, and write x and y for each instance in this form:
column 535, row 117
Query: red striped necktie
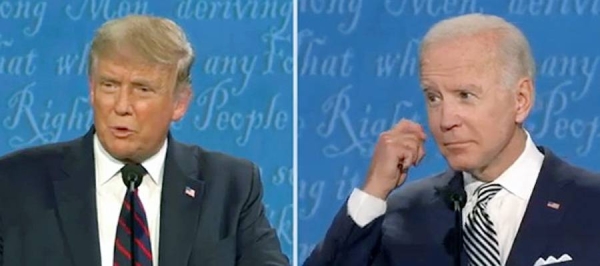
column 132, row 243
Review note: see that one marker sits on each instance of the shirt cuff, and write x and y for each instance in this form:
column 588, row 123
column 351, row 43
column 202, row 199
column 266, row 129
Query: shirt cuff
column 363, row 208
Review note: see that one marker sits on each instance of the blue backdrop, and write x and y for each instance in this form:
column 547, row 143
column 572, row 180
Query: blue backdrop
column 242, row 80
column 358, row 76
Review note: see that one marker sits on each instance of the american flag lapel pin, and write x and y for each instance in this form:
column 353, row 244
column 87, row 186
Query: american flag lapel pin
column 190, row 192
column 553, row 205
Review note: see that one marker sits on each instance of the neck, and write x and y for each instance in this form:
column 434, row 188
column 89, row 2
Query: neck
column 507, row 156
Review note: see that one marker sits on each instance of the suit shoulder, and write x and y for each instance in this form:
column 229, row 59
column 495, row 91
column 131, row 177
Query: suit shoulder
column 583, row 178
column 220, row 163
column 569, row 172
column 21, row 168
column 219, row 158
column 41, row 154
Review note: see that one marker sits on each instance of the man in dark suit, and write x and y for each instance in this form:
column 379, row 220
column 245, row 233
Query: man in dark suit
column 504, row 200
column 80, row 202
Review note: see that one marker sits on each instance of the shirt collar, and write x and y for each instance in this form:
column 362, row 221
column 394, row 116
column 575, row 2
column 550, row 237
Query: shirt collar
column 520, row 178
column 108, row 167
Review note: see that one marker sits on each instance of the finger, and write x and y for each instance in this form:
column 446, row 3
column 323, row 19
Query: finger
column 409, row 127
column 415, row 146
column 422, row 134
column 410, row 142
column 401, row 176
column 387, row 138
column 404, row 126
column 408, row 161
column 406, row 150
column 418, row 130
column 400, row 124
column 420, row 154
column 417, row 155
column 402, row 172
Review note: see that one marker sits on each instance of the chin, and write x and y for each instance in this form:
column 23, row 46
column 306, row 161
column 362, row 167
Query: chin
column 119, row 151
column 118, row 154
column 460, row 163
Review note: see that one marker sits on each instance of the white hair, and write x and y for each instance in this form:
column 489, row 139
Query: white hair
column 516, row 59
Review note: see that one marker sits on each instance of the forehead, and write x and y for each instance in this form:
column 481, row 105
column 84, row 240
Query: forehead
column 130, row 67
column 465, row 59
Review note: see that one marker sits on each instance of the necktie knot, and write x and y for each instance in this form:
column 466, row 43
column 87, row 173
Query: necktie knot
column 486, row 192
column 132, row 175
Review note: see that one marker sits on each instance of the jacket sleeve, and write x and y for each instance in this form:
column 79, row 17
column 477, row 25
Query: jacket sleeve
column 347, row 244
column 258, row 242
column 1, row 240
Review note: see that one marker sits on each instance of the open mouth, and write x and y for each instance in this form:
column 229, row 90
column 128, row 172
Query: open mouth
column 121, row 131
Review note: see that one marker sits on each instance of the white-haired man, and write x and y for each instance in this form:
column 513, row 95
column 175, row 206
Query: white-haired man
column 128, row 193
column 514, row 203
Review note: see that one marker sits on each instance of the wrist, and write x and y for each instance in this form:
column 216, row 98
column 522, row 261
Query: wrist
column 376, row 190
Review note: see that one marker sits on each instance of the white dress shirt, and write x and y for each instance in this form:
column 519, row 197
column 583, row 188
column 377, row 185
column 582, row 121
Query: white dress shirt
column 506, row 208
column 110, row 191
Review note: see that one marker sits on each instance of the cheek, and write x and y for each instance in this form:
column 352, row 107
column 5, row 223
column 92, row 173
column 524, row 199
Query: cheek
column 435, row 118
column 154, row 114
column 101, row 108
column 494, row 125
column 432, row 115
column 433, row 122
column 102, row 101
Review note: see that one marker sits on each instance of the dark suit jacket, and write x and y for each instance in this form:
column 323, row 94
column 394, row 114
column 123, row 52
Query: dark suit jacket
column 48, row 209
column 418, row 227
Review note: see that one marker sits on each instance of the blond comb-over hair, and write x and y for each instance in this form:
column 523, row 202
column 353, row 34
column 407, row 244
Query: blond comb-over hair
column 153, row 39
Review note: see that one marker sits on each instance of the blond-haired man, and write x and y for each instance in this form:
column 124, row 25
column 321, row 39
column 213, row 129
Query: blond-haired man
column 127, row 191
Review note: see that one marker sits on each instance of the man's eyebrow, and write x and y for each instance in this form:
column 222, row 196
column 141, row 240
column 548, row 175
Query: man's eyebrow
column 142, row 82
column 472, row 87
column 107, row 78
column 426, row 86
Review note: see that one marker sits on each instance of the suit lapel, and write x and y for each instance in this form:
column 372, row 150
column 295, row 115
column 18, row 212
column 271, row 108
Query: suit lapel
column 180, row 205
column 540, row 219
column 76, row 202
column 442, row 218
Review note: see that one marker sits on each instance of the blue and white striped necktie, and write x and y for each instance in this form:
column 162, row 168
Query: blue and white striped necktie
column 480, row 238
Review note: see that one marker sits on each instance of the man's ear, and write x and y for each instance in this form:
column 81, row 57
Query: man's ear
column 525, row 98
column 182, row 101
